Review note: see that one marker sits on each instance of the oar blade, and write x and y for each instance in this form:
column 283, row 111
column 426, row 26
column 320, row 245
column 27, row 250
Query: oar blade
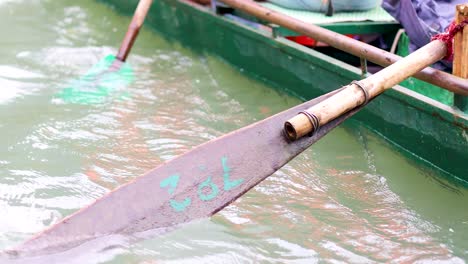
column 107, row 80
column 194, row 185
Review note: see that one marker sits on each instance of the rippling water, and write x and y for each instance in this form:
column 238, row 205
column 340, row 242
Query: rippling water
column 351, row 198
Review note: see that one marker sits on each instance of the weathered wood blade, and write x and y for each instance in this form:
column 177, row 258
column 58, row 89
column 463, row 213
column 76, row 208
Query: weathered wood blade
column 194, row 185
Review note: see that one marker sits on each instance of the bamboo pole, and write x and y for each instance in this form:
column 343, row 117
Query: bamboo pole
column 134, row 29
column 352, row 46
column 460, row 59
column 352, row 95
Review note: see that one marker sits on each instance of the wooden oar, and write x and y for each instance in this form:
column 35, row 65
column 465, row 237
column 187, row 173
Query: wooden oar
column 206, row 179
column 194, row 185
column 107, row 79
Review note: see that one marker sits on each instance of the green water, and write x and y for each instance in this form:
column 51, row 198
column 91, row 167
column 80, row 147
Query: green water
column 351, row 198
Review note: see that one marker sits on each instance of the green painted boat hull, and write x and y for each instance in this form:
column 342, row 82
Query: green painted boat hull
column 432, row 131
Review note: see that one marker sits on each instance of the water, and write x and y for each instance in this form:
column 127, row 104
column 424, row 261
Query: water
column 351, row 198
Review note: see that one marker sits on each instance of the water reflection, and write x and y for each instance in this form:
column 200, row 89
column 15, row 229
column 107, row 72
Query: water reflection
column 350, row 198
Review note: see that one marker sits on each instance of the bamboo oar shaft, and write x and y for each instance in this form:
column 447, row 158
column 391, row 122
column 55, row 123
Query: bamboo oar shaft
column 353, row 96
column 134, row 29
column 355, row 47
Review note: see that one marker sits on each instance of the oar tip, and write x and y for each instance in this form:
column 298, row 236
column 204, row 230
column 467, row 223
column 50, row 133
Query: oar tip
column 304, row 123
column 290, row 131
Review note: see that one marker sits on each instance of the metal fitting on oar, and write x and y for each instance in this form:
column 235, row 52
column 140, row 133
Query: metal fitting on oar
column 364, row 91
column 306, row 122
column 302, row 124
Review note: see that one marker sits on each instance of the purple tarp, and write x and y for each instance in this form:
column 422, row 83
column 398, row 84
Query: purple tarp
column 422, row 18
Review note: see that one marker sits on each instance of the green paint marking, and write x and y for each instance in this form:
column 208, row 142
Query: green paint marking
column 170, row 181
column 208, row 184
column 180, row 206
column 228, row 184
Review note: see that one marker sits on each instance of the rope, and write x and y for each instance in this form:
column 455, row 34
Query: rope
column 396, row 40
column 448, row 35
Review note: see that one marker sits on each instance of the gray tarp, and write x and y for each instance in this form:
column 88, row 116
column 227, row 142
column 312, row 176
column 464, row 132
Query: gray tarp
column 422, row 18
